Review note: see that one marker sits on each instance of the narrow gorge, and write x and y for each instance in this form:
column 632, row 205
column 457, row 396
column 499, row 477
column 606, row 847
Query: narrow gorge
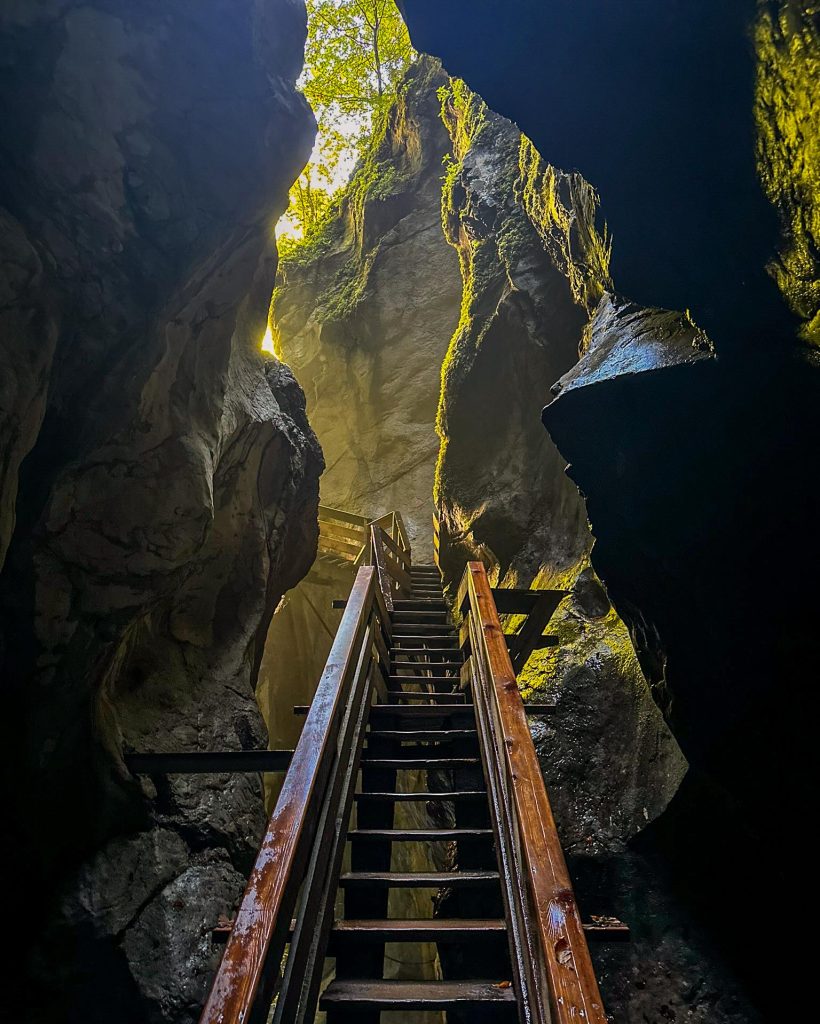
column 562, row 317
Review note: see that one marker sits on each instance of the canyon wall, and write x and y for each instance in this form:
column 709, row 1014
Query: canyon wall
column 699, row 128
column 535, row 292
column 363, row 312
column 534, row 266
column 448, row 290
column 159, row 482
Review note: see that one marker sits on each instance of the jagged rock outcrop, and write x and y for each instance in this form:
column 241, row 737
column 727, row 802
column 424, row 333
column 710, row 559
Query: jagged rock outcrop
column 162, row 472
column 534, row 268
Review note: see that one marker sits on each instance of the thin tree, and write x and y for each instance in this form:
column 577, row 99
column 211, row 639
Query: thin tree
column 356, row 53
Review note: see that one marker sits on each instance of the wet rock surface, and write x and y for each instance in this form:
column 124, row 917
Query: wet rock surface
column 160, row 488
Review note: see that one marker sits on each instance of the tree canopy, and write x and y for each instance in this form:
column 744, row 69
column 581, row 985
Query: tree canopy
column 356, row 53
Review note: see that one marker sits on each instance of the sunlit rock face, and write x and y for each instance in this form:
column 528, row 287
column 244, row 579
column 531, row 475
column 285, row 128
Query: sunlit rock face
column 364, row 314
column 787, row 43
column 161, row 471
column 460, row 271
column 534, row 268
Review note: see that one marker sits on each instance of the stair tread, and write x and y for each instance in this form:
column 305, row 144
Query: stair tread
column 437, row 698
column 418, row 879
column 420, row 710
column 416, row 680
column 410, row 604
column 459, row 794
column 418, row 835
column 423, row 650
column 425, row 629
column 443, row 735
column 446, row 635
column 422, row 763
column 414, row 995
column 399, row 926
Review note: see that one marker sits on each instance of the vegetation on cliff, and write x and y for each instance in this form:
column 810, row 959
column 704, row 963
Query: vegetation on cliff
column 357, row 52
column 788, row 150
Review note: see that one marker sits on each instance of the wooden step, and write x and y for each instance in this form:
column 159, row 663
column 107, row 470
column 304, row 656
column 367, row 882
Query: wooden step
column 416, row 679
column 459, row 794
column 422, row 629
column 451, row 667
column 418, row 879
column 420, row 835
column 423, row 651
column 419, row 763
column 397, row 696
column 418, row 616
column 421, row 711
column 416, row 604
column 420, row 735
column 422, row 929
column 410, row 642
column 414, row 995
column 440, row 710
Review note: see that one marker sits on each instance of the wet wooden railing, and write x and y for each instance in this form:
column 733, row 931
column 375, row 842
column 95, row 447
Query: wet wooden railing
column 300, row 856
column 553, row 975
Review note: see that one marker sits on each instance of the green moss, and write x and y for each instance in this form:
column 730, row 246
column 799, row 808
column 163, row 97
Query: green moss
column 788, row 149
column 563, row 208
column 530, row 206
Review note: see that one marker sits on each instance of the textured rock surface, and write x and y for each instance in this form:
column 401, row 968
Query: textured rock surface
column 169, row 479
column 653, row 104
column 787, row 37
column 698, row 479
column 363, row 317
column 534, row 268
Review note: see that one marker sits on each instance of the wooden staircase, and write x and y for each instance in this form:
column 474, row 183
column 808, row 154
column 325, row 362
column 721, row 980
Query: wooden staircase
column 411, row 732
column 407, row 694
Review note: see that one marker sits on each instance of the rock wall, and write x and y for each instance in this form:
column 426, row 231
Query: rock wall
column 534, row 268
column 364, row 312
column 159, row 481
column 697, row 472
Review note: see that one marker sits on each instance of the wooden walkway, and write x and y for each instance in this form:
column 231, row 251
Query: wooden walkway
column 406, row 688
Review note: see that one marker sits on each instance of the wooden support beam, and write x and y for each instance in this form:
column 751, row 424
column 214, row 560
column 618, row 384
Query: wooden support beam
column 209, row 762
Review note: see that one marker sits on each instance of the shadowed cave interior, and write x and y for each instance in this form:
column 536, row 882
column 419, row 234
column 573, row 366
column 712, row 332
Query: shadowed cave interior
column 549, row 278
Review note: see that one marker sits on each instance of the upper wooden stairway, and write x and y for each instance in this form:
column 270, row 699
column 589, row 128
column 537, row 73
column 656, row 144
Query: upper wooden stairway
column 408, row 694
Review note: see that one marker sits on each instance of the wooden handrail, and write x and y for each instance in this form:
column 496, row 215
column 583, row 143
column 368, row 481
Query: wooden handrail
column 544, row 918
column 394, row 579
column 345, row 537
column 246, row 980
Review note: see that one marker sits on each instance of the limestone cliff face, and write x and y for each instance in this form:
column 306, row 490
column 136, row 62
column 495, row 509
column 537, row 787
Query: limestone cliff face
column 534, row 268
column 160, row 479
column 364, row 314
column 460, row 271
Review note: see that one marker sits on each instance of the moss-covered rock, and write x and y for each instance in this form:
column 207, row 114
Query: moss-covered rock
column 787, row 40
column 534, row 268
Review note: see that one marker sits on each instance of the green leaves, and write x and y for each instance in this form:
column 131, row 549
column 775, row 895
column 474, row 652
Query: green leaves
column 356, row 53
